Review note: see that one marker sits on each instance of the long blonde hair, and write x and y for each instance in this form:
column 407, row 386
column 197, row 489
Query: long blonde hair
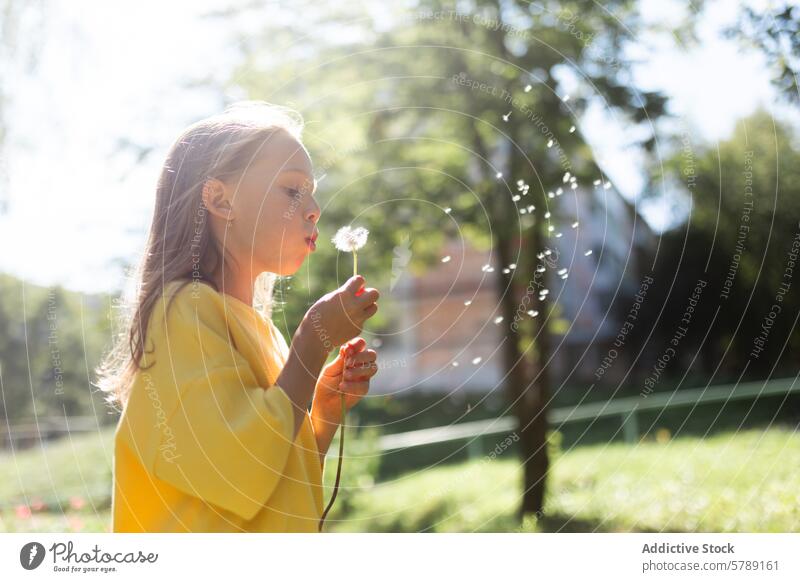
column 180, row 243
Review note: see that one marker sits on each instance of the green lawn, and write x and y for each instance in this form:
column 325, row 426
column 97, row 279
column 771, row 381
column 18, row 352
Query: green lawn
column 747, row 481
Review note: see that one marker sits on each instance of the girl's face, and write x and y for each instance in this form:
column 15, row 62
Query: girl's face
column 273, row 208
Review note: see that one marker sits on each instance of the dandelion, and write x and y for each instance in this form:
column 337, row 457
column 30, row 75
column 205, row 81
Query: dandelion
column 349, row 240
column 446, row 259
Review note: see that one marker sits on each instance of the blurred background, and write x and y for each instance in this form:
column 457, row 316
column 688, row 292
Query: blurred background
column 584, row 225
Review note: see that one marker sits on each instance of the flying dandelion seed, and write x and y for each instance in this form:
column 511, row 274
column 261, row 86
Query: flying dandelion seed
column 477, row 360
column 551, row 195
column 572, row 129
column 565, row 276
column 490, row 270
column 506, row 116
column 597, row 182
column 562, row 271
column 559, row 191
column 512, row 266
column 548, row 252
column 516, row 197
column 523, row 211
column 544, row 292
column 607, row 185
column 547, row 214
column 446, row 259
column 540, row 269
column 498, row 319
column 498, row 175
column 485, row 268
column 575, row 224
column 559, row 235
column 448, row 210
column 565, row 177
column 587, row 253
column 520, row 183
column 565, row 98
column 528, row 88
column 540, row 256
column 550, row 143
column 468, row 302
column 533, row 313
column 551, row 228
column 573, row 178
column 531, row 208
column 506, row 271
column 455, row 364
column 574, row 186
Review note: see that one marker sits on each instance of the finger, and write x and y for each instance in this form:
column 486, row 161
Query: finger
column 354, row 283
column 355, row 345
column 354, row 388
column 362, row 358
column 370, row 311
column 361, row 373
column 369, row 296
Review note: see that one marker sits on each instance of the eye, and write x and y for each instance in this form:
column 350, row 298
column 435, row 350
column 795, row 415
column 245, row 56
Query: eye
column 293, row 192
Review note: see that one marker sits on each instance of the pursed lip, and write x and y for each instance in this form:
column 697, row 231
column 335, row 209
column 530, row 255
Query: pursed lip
column 312, row 240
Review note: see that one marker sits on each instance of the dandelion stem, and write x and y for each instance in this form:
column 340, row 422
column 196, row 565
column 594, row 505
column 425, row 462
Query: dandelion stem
column 338, row 465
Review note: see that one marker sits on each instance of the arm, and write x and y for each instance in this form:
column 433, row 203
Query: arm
column 298, row 378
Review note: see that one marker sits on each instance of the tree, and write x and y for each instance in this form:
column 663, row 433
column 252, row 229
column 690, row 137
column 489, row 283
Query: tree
column 413, row 104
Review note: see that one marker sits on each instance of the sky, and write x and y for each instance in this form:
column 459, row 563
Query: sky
column 76, row 203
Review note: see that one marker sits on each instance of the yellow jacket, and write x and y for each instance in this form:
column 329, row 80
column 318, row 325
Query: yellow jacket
column 204, row 443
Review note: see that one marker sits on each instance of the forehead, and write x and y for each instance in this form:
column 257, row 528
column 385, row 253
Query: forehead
column 282, row 153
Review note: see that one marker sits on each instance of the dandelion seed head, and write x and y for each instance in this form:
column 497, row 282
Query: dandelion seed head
column 349, row 239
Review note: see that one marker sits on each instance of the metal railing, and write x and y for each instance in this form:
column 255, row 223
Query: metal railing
column 625, row 408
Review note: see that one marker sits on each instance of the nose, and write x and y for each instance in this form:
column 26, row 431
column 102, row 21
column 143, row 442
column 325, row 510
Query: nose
column 313, row 211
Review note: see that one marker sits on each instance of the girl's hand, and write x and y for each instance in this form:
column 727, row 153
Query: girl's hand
column 350, row 373
column 340, row 315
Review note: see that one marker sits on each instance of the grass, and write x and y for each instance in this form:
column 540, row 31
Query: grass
column 742, row 481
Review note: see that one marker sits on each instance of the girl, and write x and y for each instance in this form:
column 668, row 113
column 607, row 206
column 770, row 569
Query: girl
column 215, row 433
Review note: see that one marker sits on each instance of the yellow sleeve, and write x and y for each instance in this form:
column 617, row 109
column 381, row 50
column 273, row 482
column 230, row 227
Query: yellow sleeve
column 227, row 439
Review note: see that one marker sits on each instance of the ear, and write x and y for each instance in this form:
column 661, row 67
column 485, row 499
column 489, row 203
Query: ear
column 216, row 199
